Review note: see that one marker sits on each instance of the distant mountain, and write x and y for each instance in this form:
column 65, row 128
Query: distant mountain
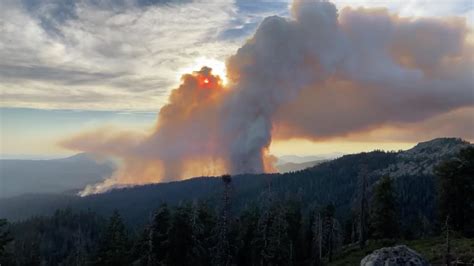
column 292, row 167
column 19, row 177
column 310, row 158
column 332, row 182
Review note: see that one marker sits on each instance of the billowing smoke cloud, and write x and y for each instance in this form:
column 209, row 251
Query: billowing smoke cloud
column 394, row 70
column 319, row 74
column 185, row 142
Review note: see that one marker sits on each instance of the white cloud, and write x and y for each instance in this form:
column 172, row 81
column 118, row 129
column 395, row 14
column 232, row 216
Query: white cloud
column 124, row 58
column 126, row 54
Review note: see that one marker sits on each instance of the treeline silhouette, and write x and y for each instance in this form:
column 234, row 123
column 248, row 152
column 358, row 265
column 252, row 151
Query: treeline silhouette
column 272, row 229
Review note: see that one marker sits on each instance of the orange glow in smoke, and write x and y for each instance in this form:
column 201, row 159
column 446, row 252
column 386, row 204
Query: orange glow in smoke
column 208, row 81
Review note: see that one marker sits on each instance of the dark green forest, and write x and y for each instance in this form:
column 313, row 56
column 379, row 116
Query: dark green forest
column 310, row 217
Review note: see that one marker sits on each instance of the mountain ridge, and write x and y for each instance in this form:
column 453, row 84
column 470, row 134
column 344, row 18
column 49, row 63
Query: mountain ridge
column 332, row 182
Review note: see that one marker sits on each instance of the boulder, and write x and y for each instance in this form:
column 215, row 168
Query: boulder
column 394, row 256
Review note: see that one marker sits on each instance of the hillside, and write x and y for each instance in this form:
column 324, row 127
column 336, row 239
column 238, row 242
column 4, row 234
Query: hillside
column 292, row 167
column 330, row 182
column 19, row 177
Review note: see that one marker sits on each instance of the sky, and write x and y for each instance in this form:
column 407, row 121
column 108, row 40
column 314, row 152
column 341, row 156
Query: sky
column 69, row 66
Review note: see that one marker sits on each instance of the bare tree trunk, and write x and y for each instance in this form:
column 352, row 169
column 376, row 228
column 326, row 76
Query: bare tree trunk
column 320, row 238
column 331, row 240
column 447, row 256
column 363, row 206
column 223, row 246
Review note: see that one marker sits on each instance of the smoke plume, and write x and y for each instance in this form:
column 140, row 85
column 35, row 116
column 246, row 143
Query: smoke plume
column 318, row 74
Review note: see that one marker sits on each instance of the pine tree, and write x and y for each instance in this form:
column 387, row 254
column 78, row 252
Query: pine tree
column 456, row 186
column 4, row 236
column 247, row 252
column 265, row 220
column 331, row 233
column 180, row 237
column 384, row 218
column 114, row 244
column 317, row 229
column 203, row 222
column 141, row 254
column 158, row 235
column 278, row 249
column 295, row 220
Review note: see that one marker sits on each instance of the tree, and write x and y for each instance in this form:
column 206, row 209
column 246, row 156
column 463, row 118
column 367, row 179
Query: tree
column 180, row 237
column 294, row 219
column 384, row 213
column 203, row 223
column 141, row 251
column 279, row 247
column 114, row 243
column 4, row 237
column 159, row 235
column 223, row 253
column 331, row 233
column 363, row 205
column 316, row 242
column 247, row 253
column 455, row 191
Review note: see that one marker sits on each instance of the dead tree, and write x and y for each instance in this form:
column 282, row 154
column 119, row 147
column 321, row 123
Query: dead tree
column 363, row 205
column 447, row 256
column 223, row 254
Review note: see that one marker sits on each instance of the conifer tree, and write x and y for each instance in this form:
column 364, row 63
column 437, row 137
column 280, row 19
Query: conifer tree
column 316, row 243
column 363, row 206
column 279, row 247
column 180, row 237
column 331, row 232
column 456, row 186
column 384, row 218
column 141, row 255
column 294, row 219
column 264, row 224
column 114, row 244
column 4, row 236
column 158, row 239
column 247, row 251
column 222, row 251
column 203, row 224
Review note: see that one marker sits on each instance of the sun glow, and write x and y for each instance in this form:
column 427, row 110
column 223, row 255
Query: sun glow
column 218, row 68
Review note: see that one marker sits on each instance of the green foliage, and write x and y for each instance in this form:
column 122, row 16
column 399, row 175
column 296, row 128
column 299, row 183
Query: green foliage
column 203, row 224
column 271, row 232
column 114, row 244
column 384, row 218
column 247, row 235
column 265, row 226
column 180, row 237
column 177, row 236
column 456, row 186
column 4, row 236
column 222, row 250
column 331, row 232
column 66, row 238
column 159, row 234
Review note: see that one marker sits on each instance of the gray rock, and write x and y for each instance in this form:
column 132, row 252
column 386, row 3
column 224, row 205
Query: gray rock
column 394, row 256
column 421, row 159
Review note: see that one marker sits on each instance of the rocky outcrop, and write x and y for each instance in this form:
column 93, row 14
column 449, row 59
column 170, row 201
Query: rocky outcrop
column 421, row 159
column 394, row 256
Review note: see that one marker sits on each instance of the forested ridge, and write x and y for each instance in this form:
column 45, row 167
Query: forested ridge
column 307, row 217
